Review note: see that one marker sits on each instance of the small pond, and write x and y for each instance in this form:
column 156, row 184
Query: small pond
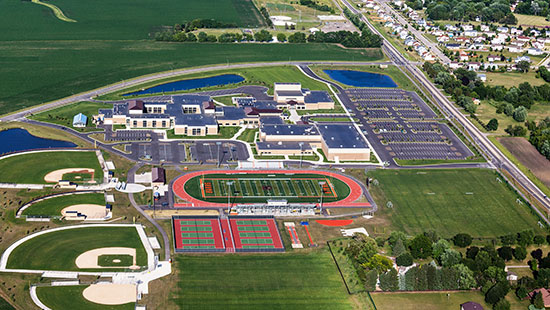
column 360, row 78
column 190, row 84
column 17, row 139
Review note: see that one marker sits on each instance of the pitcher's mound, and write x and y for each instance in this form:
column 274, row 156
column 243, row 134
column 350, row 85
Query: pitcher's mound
column 110, row 294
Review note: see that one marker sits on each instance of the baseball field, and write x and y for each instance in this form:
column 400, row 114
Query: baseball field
column 53, row 206
column 70, row 297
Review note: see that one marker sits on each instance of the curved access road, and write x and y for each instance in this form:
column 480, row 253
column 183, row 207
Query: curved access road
column 18, row 115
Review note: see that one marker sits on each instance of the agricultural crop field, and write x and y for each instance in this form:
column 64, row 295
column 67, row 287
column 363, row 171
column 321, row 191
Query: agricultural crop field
column 473, row 201
column 32, row 167
column 116, row 20
column 53, row 206
column 58, row 250
column 260, row 187
column 59, row 71
column 267, row 281
column 70, row 297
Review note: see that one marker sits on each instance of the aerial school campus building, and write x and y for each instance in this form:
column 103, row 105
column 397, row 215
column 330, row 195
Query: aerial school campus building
column 197, row 115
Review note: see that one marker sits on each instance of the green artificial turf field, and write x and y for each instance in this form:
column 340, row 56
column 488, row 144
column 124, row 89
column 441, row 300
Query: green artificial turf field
column 70, row 297
column 469, row 201
column 63, row 68
column 260, row 187
column 58, row 250
column 31, row 168
column 279, row 281
column 116, row 20
column 64, row 115
column 53, row 206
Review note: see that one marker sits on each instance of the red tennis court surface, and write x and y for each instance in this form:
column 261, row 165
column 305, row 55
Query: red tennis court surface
column 334, row 222
column 234, row 234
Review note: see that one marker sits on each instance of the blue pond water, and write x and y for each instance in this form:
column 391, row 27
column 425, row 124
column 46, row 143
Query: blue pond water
column 360, row 78
column 190, row 84
column 16, row 139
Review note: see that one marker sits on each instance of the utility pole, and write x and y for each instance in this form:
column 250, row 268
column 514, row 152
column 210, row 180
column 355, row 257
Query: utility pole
column 229, row 183
column 321, row 183
column 218, row 144
column 301, row 153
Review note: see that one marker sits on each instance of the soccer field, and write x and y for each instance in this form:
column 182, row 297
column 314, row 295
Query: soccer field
column 261, row 187
column 469, row 201
column 269, row 281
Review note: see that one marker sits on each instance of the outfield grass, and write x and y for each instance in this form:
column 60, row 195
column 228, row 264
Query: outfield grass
column 248, row 188
column 58, row 250
column 31, row 168
column 70, row 297
column 511, row 79
column 450, row 202
column 280, row 281
column 263, row 76
column 53, row 206
column 64, row 115
column 59, row 71
column 117, row 20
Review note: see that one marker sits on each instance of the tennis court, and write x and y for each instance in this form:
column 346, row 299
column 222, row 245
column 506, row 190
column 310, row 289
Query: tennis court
column 255, row 234
column 198, row 234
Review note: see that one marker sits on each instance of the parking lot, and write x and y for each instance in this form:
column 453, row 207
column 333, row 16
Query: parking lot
column 399, row 124
column 128, row 135
column 214, row 151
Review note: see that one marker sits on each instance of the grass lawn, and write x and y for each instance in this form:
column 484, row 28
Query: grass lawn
column 450, row 202
column 70, row 297
column 248, row 135
column 279, row 281
column 264, row 76
column 426, row 301
column 488, row 110
column 532, row 20
column 117, row 20
column 31, row 168
column 509, row 79
column 58, row 250
column 59, row 71
column 53, row 206
column 64, row 115
column 250, row 188
column 108, row 260
column 224, row 132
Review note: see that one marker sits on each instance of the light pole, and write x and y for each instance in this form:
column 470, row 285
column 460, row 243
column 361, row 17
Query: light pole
column 301, row 153
column 218, row 144
column 321, row 183
column 229, row 183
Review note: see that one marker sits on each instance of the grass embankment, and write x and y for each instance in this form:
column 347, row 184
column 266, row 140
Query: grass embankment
column 58, row 250
column 53, row 206
column 31, row 168
column 70, row 297
column 263, row 76
column 224, row 132
column 281, row 281
column 45, row 132
column 64, row 115
column 59, row 72
column 450, row 202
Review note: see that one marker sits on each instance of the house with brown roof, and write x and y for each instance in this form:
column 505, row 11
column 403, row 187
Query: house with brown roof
column 545, row 295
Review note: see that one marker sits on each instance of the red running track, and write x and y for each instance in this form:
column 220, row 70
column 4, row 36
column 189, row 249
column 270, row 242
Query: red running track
column 349, row 201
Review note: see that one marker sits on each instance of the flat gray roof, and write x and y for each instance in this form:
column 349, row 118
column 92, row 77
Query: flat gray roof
column 342, row 136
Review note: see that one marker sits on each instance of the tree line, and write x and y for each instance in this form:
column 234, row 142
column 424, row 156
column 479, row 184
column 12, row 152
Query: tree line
column 466, row 10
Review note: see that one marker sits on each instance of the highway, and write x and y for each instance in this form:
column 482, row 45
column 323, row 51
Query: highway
column 498, row 159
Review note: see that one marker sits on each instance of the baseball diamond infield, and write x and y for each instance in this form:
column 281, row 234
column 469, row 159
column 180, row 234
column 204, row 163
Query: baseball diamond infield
column 110, row 294
column 57, row 175
column 211, row 188
column 89, row 259
column 85, row 212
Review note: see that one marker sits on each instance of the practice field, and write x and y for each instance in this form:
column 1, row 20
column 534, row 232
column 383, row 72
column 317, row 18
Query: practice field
column 267, row 281
column 53, row 206
column 256, row 186
column 59, row 250
column 31, row 168
column 70, row 297
column 472, row 201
